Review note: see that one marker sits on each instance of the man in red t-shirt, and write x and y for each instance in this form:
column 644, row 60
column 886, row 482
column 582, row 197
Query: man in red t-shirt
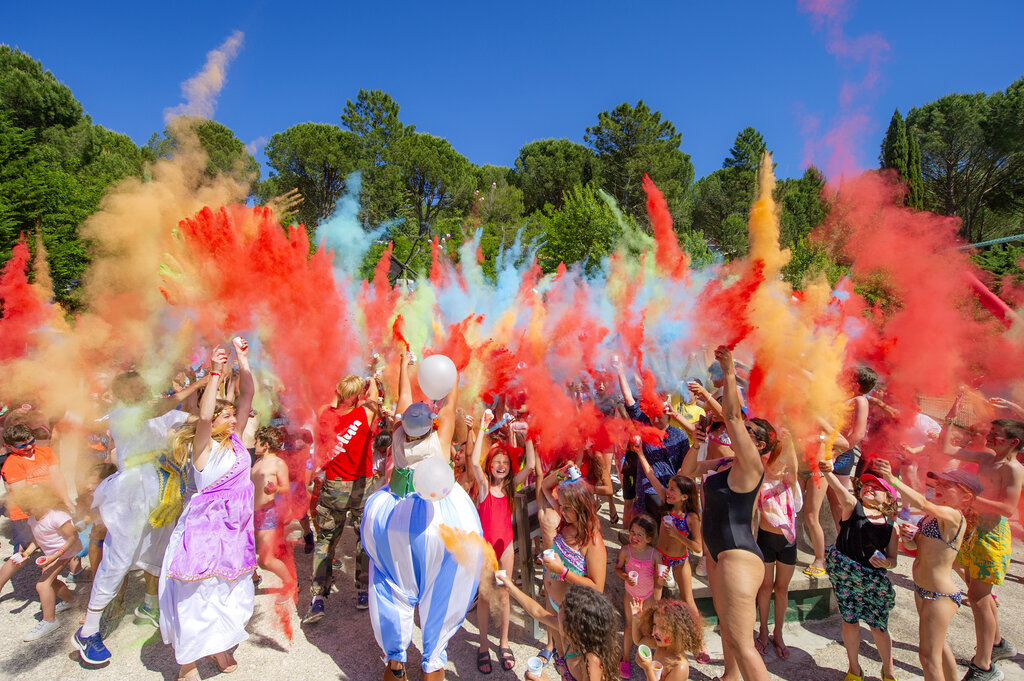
column 344, row 452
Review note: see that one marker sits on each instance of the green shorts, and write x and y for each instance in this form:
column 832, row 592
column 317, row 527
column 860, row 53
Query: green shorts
column 986, row 552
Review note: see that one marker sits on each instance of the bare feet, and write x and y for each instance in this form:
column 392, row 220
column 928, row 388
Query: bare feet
column 780, row 648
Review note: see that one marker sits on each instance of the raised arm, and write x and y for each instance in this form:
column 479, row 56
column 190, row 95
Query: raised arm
column 946, row 434
column 915, row 498
column 710, row 402
column 847, row 501
column 207, row 405
column 527, row 467
column 164, row 404
column 620, row 371
column 404, row 384
column 651, row 477
column 482, row 486
column 246, row 386
column 446, row 418
column 748, row 460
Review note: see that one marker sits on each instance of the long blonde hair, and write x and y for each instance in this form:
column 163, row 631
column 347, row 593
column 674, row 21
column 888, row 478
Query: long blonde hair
column 185, row 435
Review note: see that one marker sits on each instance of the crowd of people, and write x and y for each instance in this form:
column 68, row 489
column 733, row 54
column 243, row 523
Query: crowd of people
column 200, row 490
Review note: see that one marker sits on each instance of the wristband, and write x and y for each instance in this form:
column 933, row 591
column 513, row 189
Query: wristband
column 565, row 571
column 214, row 373
column 61, row 552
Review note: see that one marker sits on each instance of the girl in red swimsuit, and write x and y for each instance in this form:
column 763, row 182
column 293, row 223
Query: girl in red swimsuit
column 496, row 489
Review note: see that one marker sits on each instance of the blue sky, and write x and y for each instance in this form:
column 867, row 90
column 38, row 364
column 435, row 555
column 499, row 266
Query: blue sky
column 491, row 77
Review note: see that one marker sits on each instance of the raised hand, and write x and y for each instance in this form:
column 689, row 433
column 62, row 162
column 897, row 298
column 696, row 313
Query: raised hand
column 219, row 359
column 486, row 419
column 724, row 356
column 241, row 347
column 636, row 607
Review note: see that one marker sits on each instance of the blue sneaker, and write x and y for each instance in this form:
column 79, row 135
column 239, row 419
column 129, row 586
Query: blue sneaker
column 91, row 649
column 363, row 601
column 315, row 612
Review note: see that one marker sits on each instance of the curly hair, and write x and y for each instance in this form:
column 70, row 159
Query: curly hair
column 271, row 436
column 579, row 496
column 889, row 510
column 590, row 625
column 684, row 626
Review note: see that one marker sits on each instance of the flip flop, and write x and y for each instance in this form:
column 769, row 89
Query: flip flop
column 703, row 657
column 761, row 646
column 781, row 650
column 231, row 666
column 545, row 655
column 812, row 571
column 483, row 658
column 508, row 659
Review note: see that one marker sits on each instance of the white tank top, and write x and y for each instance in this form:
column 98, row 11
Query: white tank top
column 407, row 454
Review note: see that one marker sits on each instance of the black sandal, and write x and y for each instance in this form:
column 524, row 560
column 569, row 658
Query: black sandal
column 508, row 659
column 396, row 673
column 483, row 657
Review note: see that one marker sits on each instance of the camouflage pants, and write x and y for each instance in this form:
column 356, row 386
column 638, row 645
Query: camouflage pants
column 340, row 501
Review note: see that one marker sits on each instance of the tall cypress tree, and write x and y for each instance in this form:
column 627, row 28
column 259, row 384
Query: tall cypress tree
column 895, row 149
column 915, row 182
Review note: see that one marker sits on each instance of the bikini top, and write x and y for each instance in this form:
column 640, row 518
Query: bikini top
column 929, row 527
column 680, row 523
column 571, row 558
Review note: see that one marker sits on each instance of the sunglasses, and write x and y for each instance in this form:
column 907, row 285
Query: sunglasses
column 24, row 445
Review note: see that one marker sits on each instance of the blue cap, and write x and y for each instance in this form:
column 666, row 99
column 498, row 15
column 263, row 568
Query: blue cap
column 959, row 476
column 417, row 419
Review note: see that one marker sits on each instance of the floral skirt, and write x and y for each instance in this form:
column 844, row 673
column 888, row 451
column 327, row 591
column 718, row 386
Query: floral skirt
column 864, row 594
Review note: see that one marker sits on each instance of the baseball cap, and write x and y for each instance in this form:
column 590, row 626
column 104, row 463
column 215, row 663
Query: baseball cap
column 958, row 476
column 868, row 477
column 417, row 419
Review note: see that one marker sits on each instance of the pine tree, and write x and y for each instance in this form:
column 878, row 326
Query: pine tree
column 895, row 149
column 915, row 181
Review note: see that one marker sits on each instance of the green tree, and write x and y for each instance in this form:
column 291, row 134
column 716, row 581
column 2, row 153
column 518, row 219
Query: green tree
column 915, row 183
column 316, row 159
column 801, row 206
column 584, row 229
column 373, row 119
column 972, row 159
column 632, row 140
column 31, row 95
column 436, row 178
column 895, row 147
column 746, row 151
column 546, row 169
column 225, row 153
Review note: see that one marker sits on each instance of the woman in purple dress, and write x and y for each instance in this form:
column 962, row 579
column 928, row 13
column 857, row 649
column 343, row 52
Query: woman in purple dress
column 206, row 587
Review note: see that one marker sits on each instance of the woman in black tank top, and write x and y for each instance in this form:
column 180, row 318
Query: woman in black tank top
column 735, row 566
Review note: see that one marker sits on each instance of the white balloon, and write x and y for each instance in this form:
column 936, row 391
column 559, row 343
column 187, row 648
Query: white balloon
column 437, row 376
column 433, row 479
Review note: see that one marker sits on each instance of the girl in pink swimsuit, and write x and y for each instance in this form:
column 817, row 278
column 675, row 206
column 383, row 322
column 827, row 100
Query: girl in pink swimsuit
column 496, row 489
column 637, row 566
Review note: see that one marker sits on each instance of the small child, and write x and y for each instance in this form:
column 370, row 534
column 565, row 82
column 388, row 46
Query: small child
column 54, row 534
column 680, row 532
column 673, row 629
column 270, row 478
column 638, row 566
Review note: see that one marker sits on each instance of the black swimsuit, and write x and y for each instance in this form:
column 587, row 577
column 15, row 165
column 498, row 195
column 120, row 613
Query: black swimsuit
column 728, row 516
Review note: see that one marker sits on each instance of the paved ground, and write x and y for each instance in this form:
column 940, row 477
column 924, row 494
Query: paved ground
column 342, row 645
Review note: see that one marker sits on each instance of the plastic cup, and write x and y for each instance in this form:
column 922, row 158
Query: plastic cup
column 535, row 664
column 40, row 560
column 634, row 576
column 644, row 652
column 548, row 553
column 658, row 668
column 500, row 576
column 18, row 558
column 663, row 571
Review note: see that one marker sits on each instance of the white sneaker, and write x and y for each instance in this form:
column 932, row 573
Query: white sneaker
column 41, row 630
column 64, row 606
